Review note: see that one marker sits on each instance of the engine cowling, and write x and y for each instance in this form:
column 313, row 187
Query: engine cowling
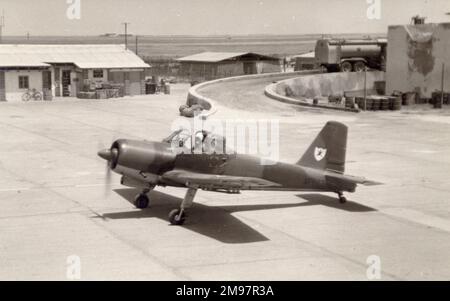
column 146, row 156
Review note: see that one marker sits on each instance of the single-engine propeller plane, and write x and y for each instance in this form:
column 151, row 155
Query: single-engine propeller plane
column 145, row 165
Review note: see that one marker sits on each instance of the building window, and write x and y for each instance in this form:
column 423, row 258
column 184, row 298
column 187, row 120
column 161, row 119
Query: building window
column 24, row 82
column 85, row 74
column 98, row 73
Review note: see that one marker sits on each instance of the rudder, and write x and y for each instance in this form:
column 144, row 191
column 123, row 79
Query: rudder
column 328, row 150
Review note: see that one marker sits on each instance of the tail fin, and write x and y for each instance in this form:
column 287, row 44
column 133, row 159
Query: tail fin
column 328, row 149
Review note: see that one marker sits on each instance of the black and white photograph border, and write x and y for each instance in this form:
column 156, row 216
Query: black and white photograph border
column 254, row 140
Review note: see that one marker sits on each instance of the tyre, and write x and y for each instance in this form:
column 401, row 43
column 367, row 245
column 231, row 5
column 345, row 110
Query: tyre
column 26, row 96
column 346, row 67
column 37, row 96
column 141, row 201
column 359, row 66
column 183, row 107
column 175, row 218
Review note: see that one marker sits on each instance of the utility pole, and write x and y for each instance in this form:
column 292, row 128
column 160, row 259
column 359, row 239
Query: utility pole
column 442, row 84
column 2, row 24
column 365, row 88
column 136, row 45
column 126, row 34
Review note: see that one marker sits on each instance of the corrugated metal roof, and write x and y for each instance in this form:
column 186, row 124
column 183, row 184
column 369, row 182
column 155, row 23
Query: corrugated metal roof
column 306, row 55
column 211, row 57
column 214, row 57
column 22, row 64
column 83, row 56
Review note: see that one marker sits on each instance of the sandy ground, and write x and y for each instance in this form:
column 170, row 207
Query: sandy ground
column 54, row 201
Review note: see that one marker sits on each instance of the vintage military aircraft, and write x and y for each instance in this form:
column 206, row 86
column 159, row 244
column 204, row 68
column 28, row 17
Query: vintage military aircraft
column 145, row 165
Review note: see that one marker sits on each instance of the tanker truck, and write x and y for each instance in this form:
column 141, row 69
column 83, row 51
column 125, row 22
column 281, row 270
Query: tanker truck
column 336, row 55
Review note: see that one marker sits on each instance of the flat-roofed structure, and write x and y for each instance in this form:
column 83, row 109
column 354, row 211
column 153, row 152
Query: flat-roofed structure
column 213, row 65
column 64, row 70
column 418, row 58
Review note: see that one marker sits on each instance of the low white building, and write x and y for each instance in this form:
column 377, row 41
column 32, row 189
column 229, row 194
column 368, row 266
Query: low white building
column 66, row 70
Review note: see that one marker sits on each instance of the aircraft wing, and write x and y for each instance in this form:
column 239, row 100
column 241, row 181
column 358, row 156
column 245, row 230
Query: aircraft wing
column 211, row 181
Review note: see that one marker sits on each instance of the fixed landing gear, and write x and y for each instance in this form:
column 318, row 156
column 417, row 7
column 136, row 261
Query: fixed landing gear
column 342, row 198
column 178, row 216
column 142, row 200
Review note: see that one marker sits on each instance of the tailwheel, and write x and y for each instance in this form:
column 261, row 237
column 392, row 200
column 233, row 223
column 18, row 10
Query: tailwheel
column 141, row 201
column 342, row 198
column 177, row 217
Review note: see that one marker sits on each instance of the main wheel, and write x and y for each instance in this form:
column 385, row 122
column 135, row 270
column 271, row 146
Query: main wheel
column 141, row 201
column 359, row 66
column 342, row 199
column 176, row 218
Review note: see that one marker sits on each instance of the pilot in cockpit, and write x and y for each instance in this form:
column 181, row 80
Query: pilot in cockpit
column 202, row 142
column 199, row 142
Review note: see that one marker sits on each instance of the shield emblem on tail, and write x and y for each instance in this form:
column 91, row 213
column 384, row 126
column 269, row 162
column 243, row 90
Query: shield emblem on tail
column 320, row 153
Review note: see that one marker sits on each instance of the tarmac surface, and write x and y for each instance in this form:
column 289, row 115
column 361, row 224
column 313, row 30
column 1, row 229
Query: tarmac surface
column 55, row 203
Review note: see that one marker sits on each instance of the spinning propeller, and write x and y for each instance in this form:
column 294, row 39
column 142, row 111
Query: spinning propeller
column 110, row 155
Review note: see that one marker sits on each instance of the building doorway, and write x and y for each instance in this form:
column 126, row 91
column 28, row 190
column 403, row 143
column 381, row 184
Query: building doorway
column 65, row 82
column 134, row 83
column 250, row 68
column 46, row 79
column 47, row 84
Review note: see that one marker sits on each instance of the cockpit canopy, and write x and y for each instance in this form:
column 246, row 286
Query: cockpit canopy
column 200, row 142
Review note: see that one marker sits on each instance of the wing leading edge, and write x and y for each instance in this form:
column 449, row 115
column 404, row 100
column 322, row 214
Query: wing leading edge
column 212, row 181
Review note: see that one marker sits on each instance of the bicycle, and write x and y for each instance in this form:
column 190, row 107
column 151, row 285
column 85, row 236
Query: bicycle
column 33, row 93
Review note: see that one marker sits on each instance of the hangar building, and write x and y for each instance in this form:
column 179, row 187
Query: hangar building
column 213, row 65
column 64, row 70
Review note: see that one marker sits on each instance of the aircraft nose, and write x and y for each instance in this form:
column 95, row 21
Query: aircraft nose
column 105, row 154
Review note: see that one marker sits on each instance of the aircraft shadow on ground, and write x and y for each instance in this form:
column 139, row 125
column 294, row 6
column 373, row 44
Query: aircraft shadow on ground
column 314, row 199
column 217, row 222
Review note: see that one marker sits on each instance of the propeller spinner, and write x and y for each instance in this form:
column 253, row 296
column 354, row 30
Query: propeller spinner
column 111, row 156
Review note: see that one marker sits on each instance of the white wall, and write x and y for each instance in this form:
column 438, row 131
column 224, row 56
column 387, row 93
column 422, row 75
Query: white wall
column 13, row 93
column 269, row 67
column 326, row 84
column 416, row 63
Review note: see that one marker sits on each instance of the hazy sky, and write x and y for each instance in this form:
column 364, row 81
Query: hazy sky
column 211, row 17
